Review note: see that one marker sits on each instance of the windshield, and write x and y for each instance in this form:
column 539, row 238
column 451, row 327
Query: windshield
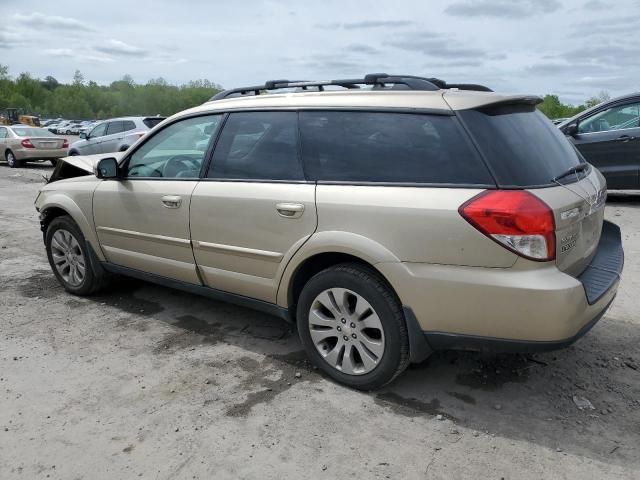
column 32, row 132
column 523, row 148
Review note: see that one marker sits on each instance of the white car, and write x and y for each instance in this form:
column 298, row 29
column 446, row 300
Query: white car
column 114, row 135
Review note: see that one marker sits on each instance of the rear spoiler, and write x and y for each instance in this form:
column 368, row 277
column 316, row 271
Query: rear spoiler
column 461, row 101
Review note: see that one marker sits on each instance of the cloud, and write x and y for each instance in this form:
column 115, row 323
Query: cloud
column 362, row 48
column 594, row 5
column 117, row 47
column 368, row 24
column 38, row 20
column 612, row 55
column 560, row 68
column 614, row 25
column 435, row 45
column 80, row 56
column 502, row 8
column 9, row 39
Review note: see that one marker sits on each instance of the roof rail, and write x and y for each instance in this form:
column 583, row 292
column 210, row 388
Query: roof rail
column 376, row 80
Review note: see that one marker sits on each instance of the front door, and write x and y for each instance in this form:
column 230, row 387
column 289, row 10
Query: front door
column 142, row 219
column 93, row 139
column 610, row 140
column 254, row 210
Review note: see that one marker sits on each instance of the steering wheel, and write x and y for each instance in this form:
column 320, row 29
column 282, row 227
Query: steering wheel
column 177, row 164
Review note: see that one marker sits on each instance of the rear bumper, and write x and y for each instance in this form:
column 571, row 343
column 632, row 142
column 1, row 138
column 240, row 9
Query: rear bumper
column 515, row 309
column 39, row 153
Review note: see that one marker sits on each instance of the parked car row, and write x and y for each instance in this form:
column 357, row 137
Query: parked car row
column 22, row 143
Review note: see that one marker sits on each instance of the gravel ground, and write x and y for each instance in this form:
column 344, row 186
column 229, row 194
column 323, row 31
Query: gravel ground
column 145, row 382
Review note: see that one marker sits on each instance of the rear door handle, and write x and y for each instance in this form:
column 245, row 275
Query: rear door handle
column 625, row 138
column 171, row 201
column 290, row 210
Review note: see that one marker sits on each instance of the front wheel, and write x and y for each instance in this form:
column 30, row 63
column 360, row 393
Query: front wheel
column 352, row 326
column 69, row 258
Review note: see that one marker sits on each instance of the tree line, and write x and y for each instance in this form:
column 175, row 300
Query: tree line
column 82, row 99
column 87, row 100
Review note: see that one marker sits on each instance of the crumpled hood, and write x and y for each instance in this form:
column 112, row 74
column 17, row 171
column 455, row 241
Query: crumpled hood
column 88, row 162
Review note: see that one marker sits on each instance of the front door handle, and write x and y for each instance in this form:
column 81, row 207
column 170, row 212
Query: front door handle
column 625, row 138
column 290, row 210
column 171, row 201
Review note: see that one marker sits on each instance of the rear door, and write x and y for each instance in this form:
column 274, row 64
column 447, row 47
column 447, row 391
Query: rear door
column 610, row 140
column 255, row 208
column 110, row 142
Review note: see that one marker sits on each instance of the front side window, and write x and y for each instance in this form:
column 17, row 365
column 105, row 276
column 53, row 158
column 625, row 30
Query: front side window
column 388, row 147
column 258, row 145
column 176, row 151
column 615, row 118
column 99, row 131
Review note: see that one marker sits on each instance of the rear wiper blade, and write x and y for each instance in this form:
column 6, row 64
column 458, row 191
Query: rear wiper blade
column 571, row 171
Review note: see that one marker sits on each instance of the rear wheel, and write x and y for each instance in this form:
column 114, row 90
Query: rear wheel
column 69, row 258
column 54, row 161
column 352, row 326
column 11, row 159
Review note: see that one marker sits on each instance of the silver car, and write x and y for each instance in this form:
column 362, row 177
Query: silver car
column 114, row 135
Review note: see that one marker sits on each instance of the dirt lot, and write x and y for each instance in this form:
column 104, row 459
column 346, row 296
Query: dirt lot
column 145, row 382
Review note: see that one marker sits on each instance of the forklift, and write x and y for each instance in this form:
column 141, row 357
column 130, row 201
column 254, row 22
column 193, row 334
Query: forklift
column 14, row 116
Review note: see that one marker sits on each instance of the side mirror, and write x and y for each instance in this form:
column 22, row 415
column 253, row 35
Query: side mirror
column 571, row 130
column 107, row 168
column 83, row 135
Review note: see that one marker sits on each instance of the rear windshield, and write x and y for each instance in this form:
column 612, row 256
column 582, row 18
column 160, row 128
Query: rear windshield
column 32, row 132
column 522, row 147
column 152, row 121
column 389, row 148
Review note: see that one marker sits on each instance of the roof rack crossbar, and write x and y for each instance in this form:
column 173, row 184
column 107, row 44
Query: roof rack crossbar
column 382, row 80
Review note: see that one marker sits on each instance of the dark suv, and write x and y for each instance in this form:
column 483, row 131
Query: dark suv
column 608, row 136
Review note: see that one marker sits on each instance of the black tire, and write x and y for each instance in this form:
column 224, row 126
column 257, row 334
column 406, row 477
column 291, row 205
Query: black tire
column 11, row 160
column 94, row 278
column 53, row 161
column 367, row 283
column 73, row 153
column 124, row 148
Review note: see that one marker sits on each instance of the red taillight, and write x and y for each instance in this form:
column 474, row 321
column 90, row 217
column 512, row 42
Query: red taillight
column 516, row 219
column 65, row 143
column 26, row 143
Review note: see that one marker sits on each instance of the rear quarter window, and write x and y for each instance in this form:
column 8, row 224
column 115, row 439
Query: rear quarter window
column 522, row 147
column 152, row 121
column 128, row 125
column 389, row 148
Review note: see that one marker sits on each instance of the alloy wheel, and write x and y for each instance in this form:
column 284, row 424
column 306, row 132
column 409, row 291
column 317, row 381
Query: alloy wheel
column 346, row 331
column 68, row 257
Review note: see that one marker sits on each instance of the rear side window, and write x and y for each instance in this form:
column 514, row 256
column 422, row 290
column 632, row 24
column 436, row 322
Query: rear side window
column 152, row 121
column 114, row 127
column 523, row 148
column 258, row 145
column 388, row 147
column 128, row 125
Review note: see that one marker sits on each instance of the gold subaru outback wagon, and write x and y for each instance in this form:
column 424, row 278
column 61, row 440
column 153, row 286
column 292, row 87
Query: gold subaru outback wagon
column 387, row 216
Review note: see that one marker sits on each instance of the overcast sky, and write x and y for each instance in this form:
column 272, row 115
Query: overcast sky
column 571, row 48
